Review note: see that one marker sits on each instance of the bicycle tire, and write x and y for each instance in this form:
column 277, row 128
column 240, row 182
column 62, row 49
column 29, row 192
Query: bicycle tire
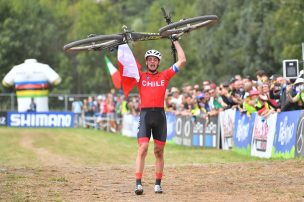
column 187, row 25
column 94, row 43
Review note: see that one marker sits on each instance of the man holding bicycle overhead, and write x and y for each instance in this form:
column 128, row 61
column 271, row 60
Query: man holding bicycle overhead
column 152, row 87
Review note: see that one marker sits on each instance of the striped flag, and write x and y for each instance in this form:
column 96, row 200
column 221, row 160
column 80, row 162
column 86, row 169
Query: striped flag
column 128, row 67
column 116, row 78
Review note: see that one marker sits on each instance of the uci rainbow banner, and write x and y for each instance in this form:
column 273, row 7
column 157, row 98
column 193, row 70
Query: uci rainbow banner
column 41, row 119
column 285, row 138
column 242, row 134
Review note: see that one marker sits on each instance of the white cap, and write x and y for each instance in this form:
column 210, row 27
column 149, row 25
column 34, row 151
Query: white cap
column 298, row 80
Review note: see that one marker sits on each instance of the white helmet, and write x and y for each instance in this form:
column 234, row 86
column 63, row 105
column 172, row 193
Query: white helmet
column 154, row 53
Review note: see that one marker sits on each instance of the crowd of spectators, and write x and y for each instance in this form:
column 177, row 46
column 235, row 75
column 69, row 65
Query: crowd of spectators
column 263, row 95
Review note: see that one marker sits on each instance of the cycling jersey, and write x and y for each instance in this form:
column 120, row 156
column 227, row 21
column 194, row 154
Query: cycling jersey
column 31, row 80
column 152, row 87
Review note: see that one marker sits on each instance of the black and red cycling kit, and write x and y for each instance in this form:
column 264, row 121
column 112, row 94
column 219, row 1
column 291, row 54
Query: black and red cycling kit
column 152, row 89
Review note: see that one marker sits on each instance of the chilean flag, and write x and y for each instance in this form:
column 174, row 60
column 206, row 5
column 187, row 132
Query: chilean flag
column 128, row 67
column 116, row 78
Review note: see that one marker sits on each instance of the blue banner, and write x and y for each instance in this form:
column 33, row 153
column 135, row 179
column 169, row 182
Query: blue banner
column 285, row 137
column 41, row 119
column 171, row 121
column 242, row 134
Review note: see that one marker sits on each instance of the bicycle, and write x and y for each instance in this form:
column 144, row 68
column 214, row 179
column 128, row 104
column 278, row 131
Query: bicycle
column 111, row 42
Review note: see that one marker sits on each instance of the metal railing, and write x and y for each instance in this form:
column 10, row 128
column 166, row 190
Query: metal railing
column 57, row 102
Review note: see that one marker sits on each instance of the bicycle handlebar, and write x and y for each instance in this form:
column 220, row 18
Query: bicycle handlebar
column 166, row 16
column 169, row 21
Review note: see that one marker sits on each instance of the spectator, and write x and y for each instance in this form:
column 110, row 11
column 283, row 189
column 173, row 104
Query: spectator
column 188, row 104
column 77, row 110
column 101, row 119
column 298, row 91
column 214, row 101
column 226, row 96
column 110, row 112
column 264, row 107
column 33, row 106
column 249, row 104
column 261, row 77
column 85, row 112
column 91, row 106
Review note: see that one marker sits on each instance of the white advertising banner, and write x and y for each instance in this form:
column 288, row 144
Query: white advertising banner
column 263, row 136
column 227, row 119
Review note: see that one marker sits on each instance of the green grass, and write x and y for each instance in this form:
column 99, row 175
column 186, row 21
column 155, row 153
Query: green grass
column 95, row 148
column 11, row 153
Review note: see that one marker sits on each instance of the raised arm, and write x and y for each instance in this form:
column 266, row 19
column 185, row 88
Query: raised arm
column 181, row 57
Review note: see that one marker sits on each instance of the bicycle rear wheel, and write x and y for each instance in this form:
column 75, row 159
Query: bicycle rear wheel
column 187, row 25
column 97, row 42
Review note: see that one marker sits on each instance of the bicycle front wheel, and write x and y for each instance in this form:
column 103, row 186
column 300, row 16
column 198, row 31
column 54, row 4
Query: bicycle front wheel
column 187, row 25
column 97, row 42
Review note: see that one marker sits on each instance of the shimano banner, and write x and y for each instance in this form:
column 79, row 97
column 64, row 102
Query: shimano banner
column 41, row 119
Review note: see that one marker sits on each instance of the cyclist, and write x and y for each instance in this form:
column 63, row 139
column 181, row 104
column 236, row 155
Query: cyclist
column 152, row 87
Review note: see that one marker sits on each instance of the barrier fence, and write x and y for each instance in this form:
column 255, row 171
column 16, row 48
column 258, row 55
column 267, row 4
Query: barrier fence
column 279, row 135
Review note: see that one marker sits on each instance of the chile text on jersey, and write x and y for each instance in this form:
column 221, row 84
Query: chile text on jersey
column 152, row 87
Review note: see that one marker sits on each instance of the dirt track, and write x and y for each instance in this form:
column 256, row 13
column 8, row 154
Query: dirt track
column 61, row 180
column 272, row 181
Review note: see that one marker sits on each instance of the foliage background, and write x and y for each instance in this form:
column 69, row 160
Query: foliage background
column 251, row 35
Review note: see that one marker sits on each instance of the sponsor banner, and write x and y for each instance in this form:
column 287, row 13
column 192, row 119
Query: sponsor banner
column 211, row 132
column 41, row 119
column 179, row 128
column 187, row 131
column 198, row 132
column 171, row 124
column 300, row 136
column 242, row 134
column 285, row 138
column 130, row 125
column 3, row 118
column 263, row 136
column 227, row 118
